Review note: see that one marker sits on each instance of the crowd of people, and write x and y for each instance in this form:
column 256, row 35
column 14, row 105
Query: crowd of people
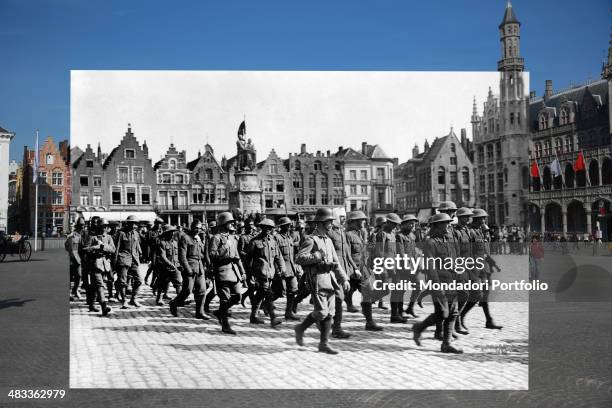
column 323, row 257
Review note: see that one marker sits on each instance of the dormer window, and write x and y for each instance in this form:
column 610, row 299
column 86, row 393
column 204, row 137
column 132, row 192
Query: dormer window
column 543, row 121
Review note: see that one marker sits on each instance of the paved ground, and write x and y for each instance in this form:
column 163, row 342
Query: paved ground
column 149, row 348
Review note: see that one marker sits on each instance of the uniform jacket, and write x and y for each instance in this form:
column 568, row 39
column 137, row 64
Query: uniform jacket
column 288, row 247
column 314, row 252
column 480, row 248
column 384, row 246
column 265, row 258
column 343, row 251
column 191, row 254
column 167, row 254
column 97, row 249
column 128, row 248
column 225, row 258
column 439, row 247
column 358, row 249
column 153, row 242
column 73, row 245
column 465, row 237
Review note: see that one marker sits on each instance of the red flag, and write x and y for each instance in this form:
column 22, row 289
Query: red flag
column 579, row 165
column 535, row 170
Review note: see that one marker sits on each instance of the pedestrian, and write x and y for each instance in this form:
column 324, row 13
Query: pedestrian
column 97, row 249
column 288, row 244
column 167, row 264
column 73, row 246
column 127, row 259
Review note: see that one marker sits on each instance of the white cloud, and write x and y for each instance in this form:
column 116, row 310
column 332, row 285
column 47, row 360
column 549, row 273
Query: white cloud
column 283, row 108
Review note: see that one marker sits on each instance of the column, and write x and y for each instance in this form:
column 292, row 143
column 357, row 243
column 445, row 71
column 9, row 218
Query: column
column 542, row 219
column 588, row 219
column 564, row 212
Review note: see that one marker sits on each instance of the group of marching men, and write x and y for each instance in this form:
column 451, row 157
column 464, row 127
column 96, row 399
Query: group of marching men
column 324, row 257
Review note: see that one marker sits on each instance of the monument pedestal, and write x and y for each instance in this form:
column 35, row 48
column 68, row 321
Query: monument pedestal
column 246, row 193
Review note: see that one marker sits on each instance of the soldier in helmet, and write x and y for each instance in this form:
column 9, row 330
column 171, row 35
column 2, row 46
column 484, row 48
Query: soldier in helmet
column 153, row 244
column 127, row 259
column 303, row 289
column 192, row 258
column 465, row 237
column 73, row 247
column 359, row 252
column 210, row 233
column 227, row 268
column 406, row 241
column 379, row 223
column 167, row 263
column 267, row 266
column 387, row 247
column 243, row 244
column 318, row 257
column 98, row 247
column 480, row 248
column 445, row 302
column 287, row 244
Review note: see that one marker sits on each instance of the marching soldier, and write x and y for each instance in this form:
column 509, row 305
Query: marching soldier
column 480, row 249
column 303, row 289
column 153, row 245
column 379, row 222
column 386, row 243
column 192, row 258
column 243, row 244
column 287, row 243
column 345, row 268
column 406, row 240
column 167, row 263
column 228, row 270
column 97, row 248
column 320, row 262
column 465, row 236
column 73, row 245
column 267, row 269
column 445, row 302
column 127, row 259
column 358, row 247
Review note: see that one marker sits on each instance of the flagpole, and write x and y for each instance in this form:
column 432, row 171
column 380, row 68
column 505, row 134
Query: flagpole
column 36, row 195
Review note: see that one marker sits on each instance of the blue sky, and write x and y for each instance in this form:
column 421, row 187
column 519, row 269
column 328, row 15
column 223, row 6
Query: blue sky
column 41, row 41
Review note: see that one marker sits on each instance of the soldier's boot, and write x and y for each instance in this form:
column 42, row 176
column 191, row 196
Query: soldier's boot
column 225, row 326
column 396, row 313
column 349, row 302
column 381, row 305
column 134, row 301
column 274, row 321
column 400, row 311
column 459, row 327
column 337, row 331
column 447, row 347
column 420, row 298
column 490, row 323
column 90, row 298
column 105, row 309
column 158, row 300
column 410, row 310
column 366, row 308
column 300, row 328
column 209, row 297
column 255, row 303
column 438, row 333
column 468, row 306
column 244, row 296
column 123, row 297
column 199, row 307
column 298, row 299
column 418, row 328
column 289, row 314
column 324, row 342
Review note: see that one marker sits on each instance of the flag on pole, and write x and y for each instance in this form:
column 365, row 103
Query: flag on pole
column 579, row 165
column 35, row 175
column 555, row 168
column 535, row 170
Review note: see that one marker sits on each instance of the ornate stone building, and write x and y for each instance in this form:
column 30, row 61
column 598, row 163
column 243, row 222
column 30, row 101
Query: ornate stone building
column 89, row 186
column 443, row 171
column 358, row 180
column 274, row 181
column 173, row 187
column 500, row 136
column 209, row 186
column 381, row 186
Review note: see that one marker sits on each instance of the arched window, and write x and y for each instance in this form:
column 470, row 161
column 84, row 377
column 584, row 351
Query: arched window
column 564, row 116
column 606, row 171
column 297, row 165
column 547, row 178
column 594, row 172
column 543, row 121
column 441, row 175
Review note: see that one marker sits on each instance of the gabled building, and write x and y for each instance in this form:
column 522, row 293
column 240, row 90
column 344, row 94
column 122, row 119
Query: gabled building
column 173, row 187
column 209, row 186
column 358, row 183
column 274, row 179
column 381, row 188
column 89, row 186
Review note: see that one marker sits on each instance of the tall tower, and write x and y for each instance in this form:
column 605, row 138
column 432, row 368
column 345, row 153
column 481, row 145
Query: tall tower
column 606, row 73
column 513, row 121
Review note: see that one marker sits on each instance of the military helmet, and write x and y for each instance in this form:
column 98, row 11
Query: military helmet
column 131, row 218
column 464, row 212
column 394, row 218
column 440, row 217
column 310, row 218
column 266, row 222
column 380, row 220
column 284, row 221
column 479, row 213
column 324, row 214
column 409, row 217
column 79, row 221
column 224, row 218
column 447, row 206
column 196, row 224
column 356, row 215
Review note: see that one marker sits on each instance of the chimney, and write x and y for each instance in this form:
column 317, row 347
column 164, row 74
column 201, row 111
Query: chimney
column 364, row 148
column 99, row 151
column 318, row 153
column 145, row 149
column 328, row 153
column 340, row 148
column 548, row 88
column 532, row 94
column 426, row 146
column 463, row 136
column 303, row 148
column 415, row 151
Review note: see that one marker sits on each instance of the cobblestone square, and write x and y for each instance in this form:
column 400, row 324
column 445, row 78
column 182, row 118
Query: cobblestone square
column 149, row 348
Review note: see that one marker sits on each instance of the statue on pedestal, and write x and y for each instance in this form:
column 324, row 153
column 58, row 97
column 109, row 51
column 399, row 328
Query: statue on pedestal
column 246, row 150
